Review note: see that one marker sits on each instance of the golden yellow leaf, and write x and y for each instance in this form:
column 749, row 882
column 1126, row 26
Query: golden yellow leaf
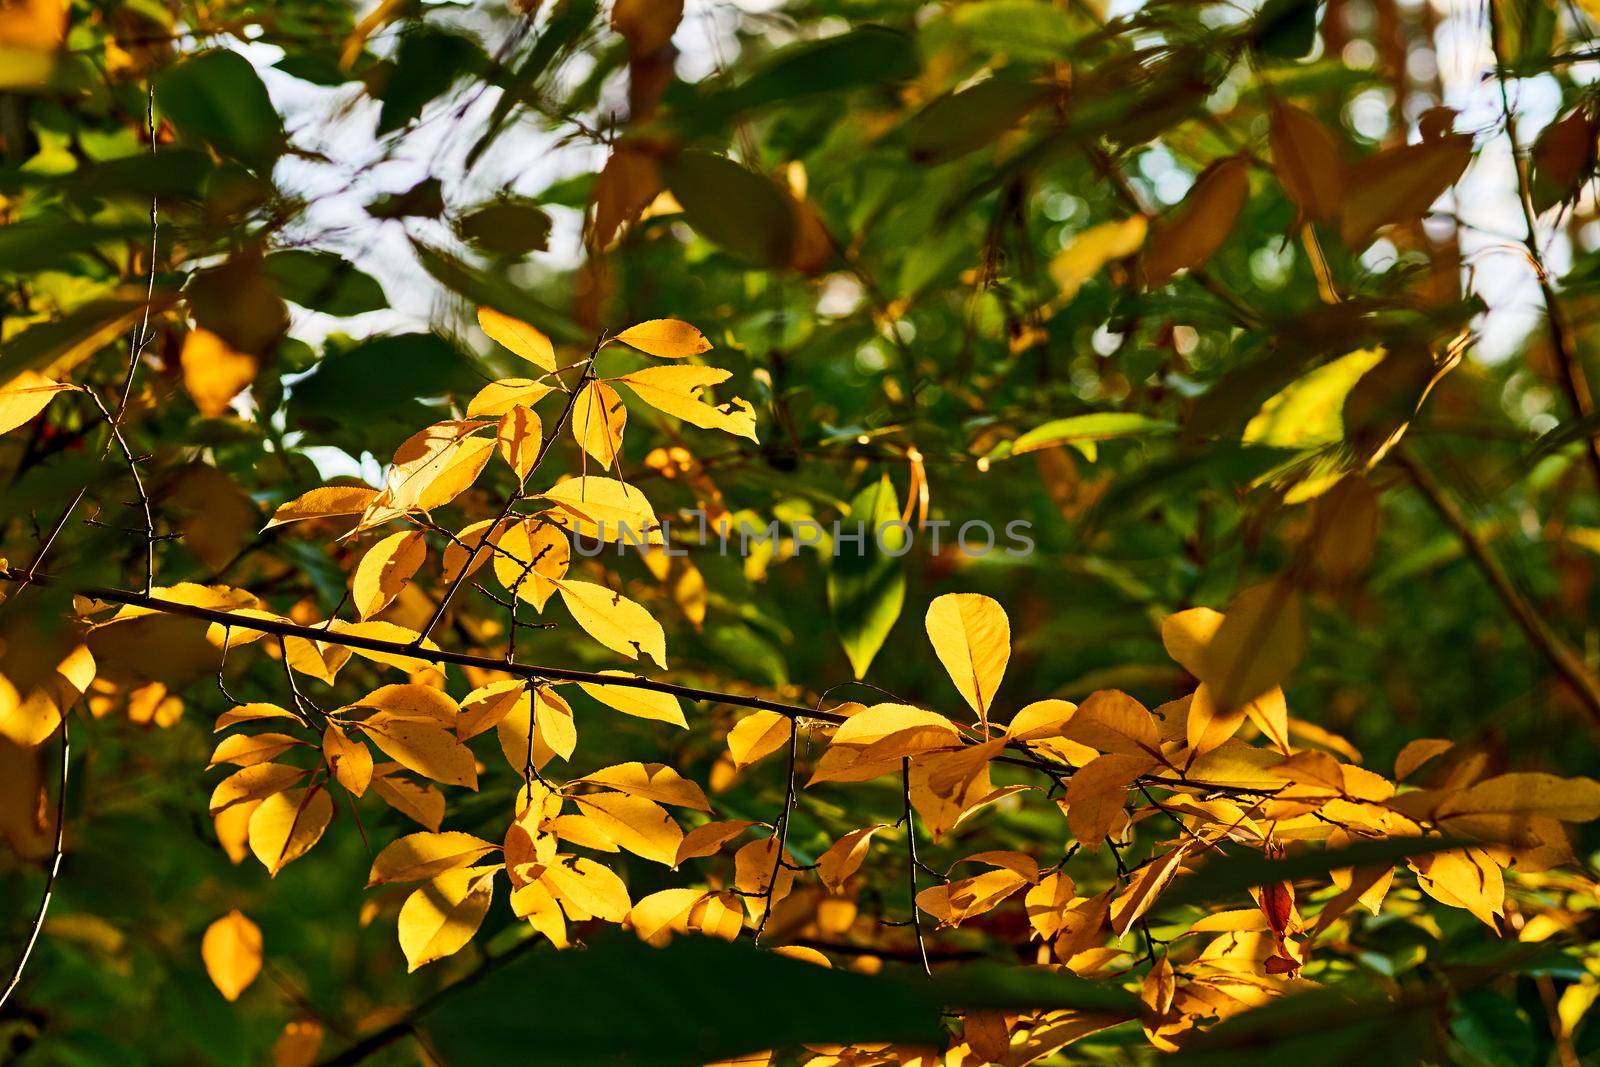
column 34, row 24
column 349, row 761
column 676, row 391
column 1191, row 234
column 1307, row 161
column 966, row 898
column 254, row 783
column 523, row 340
column 438, row 919
column 519, row 437
column 641, row 826
column 1112, row 721
column 430, row 750
column 1416, row 753
column 419, row 857
column 320, row 661
column 615, row 621
column 24, row 396
column 385, row 569
column 500, row 398
column 213, row 372
column 604, row 508
column 233, row 830
column 598, row 421
column 1502, row 808
column 231, row 949
column 653, row 781
column 252, row 713
column 640, row 703
column 755, row 875
column 667, row 338
column 430, row 469
column 972, row 637
column 487, row 706
column 708, row 839
column 1129, row 907
column 1468, row 879
column 1097, row 792
column 421, row 803
column 845, row 856
column 530, row 557
column 379, row 630
column 539, row 729
column 287, row 824
column 657, row 913
column 758, row 734
column 1092, row 249
column 587, row 890
column 1245, row 653
column 247, row 750
column 411, row 701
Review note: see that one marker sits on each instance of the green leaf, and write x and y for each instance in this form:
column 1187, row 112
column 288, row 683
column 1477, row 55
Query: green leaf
column 423, row 200
column 324, row 281
column 1022, row 29
column 1324, row 1028
column 217, row 97
column 1285, row 29
column 46, row 243
column 965, row 121
column 868, row 55
column 428, row 63
column 734, row 207
column 378, row 374
column 1082, row 431
column 93, row 324
column 867, row 585
column 693, row 1002
column 997, row 987
column 510, row 228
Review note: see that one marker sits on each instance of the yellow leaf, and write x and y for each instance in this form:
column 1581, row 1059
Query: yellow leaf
column 1112, row 721
column 438, row 919
column 329, row 501
column 385, row 569
column 676, row 391
column 604, row 508
column 1245, row 653
column 1416, row 753
column 615, row 621
column 24, row 396
column 653, row 781
column 1097, row 792
column 287, row 824
column 845, row 856
column 485, row 707
column 587, row 890
column 421, row 803
column 972, row 637
column 523, row 340
column 966, row 898
column 430, row 750
column 758, row 734
column 1092, row 249
column 1502, row 808
column 1307, row 161
column 231, row 949
column 254, row 783
column 659, row 912
column 598, row 421
column 641, row 826
column 708, row 839
column 1146, row 886
column 430, row 469
column 419, row 857
column 411, row 701
column 1188, row 237
column 349, row 761
column 252, row 713
column 537, row 729
column 498, row 399
column 519, row 437
column 1399, row 184
column 314, row 658
column 530, row 557
column 1309, row 412
column 640, row 703
column 213, row 372
column 667, row 338
column 247, row 750
column 34, row 24
column 379, row 630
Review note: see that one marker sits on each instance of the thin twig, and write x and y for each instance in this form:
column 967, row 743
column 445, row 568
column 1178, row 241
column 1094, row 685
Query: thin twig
column 780, row 832
column 50, row 877
column 910, row 819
